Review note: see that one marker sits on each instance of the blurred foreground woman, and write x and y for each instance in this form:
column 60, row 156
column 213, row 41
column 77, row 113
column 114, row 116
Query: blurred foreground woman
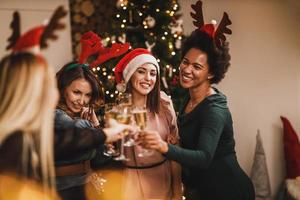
column 28, row 97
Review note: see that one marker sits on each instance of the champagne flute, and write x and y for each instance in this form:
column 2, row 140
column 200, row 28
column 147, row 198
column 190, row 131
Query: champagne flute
column 124, row 116
column 140, row 117
column 111, row 112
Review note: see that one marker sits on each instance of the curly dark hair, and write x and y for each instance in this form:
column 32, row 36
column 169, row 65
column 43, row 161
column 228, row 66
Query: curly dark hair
column 66, row 75
column 217, row 58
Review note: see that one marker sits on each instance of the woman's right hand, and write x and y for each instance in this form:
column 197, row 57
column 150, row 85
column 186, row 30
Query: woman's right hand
column 152, row 140
column 88, row 113
column 114, row 130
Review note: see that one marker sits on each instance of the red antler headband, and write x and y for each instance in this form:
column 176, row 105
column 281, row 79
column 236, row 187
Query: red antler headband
column 91, row 44
column 35, row 38
column 219, row 33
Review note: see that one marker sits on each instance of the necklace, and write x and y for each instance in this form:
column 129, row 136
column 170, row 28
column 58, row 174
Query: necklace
column 197, row 101
column 193, row 105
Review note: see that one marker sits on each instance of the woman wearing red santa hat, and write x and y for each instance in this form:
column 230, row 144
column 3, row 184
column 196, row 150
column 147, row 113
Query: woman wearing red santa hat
column 150, row 176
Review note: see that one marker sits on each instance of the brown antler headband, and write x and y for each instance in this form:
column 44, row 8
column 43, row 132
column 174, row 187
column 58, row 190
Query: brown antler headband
column 37, row 36
column 219, row 34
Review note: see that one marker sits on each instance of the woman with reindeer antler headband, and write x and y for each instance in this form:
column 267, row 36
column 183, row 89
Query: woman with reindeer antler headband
column 28, row 98
column 80, row 93
column 207, row 153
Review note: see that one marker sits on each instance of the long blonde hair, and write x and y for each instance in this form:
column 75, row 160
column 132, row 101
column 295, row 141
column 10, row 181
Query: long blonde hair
column 27, row 105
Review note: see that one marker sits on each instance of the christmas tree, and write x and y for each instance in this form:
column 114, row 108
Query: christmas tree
column 152, row 24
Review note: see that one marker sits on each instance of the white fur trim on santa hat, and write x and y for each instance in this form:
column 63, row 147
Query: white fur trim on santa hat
column 136, row 62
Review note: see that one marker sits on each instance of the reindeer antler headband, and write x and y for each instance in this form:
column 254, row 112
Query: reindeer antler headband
column 36, row 37
column 91, row 44
column 219, row 34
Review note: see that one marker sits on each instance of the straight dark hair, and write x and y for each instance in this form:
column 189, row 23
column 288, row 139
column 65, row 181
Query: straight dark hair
column 66, row 75
column 153, row 98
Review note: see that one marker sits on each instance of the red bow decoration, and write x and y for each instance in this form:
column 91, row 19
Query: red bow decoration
column 219, row 33
column 35, row 37
column 91, row 44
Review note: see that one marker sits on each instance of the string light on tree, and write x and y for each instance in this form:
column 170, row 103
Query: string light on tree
column 170, row 46
column 175, row 7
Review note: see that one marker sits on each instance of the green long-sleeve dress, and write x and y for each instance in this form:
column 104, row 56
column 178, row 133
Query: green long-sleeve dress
column 207, row 155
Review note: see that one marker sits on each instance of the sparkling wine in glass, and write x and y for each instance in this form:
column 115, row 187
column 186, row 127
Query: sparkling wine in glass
column 140, row 117
column 124, row 117
column 111, row 112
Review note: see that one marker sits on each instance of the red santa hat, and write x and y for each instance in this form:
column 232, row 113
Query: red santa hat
column 131, row 61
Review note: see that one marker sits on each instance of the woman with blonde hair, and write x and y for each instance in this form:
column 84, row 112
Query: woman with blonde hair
column 28, row 98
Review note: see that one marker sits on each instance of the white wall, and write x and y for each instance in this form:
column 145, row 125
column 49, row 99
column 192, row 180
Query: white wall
column 34, row 13
column 263, row 81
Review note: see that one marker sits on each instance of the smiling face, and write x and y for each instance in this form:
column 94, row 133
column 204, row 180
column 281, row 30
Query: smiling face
column 143, row 79
column 194, row 69
column 78, row 94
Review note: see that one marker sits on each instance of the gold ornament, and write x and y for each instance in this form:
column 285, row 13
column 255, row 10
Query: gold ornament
column 87, row 8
